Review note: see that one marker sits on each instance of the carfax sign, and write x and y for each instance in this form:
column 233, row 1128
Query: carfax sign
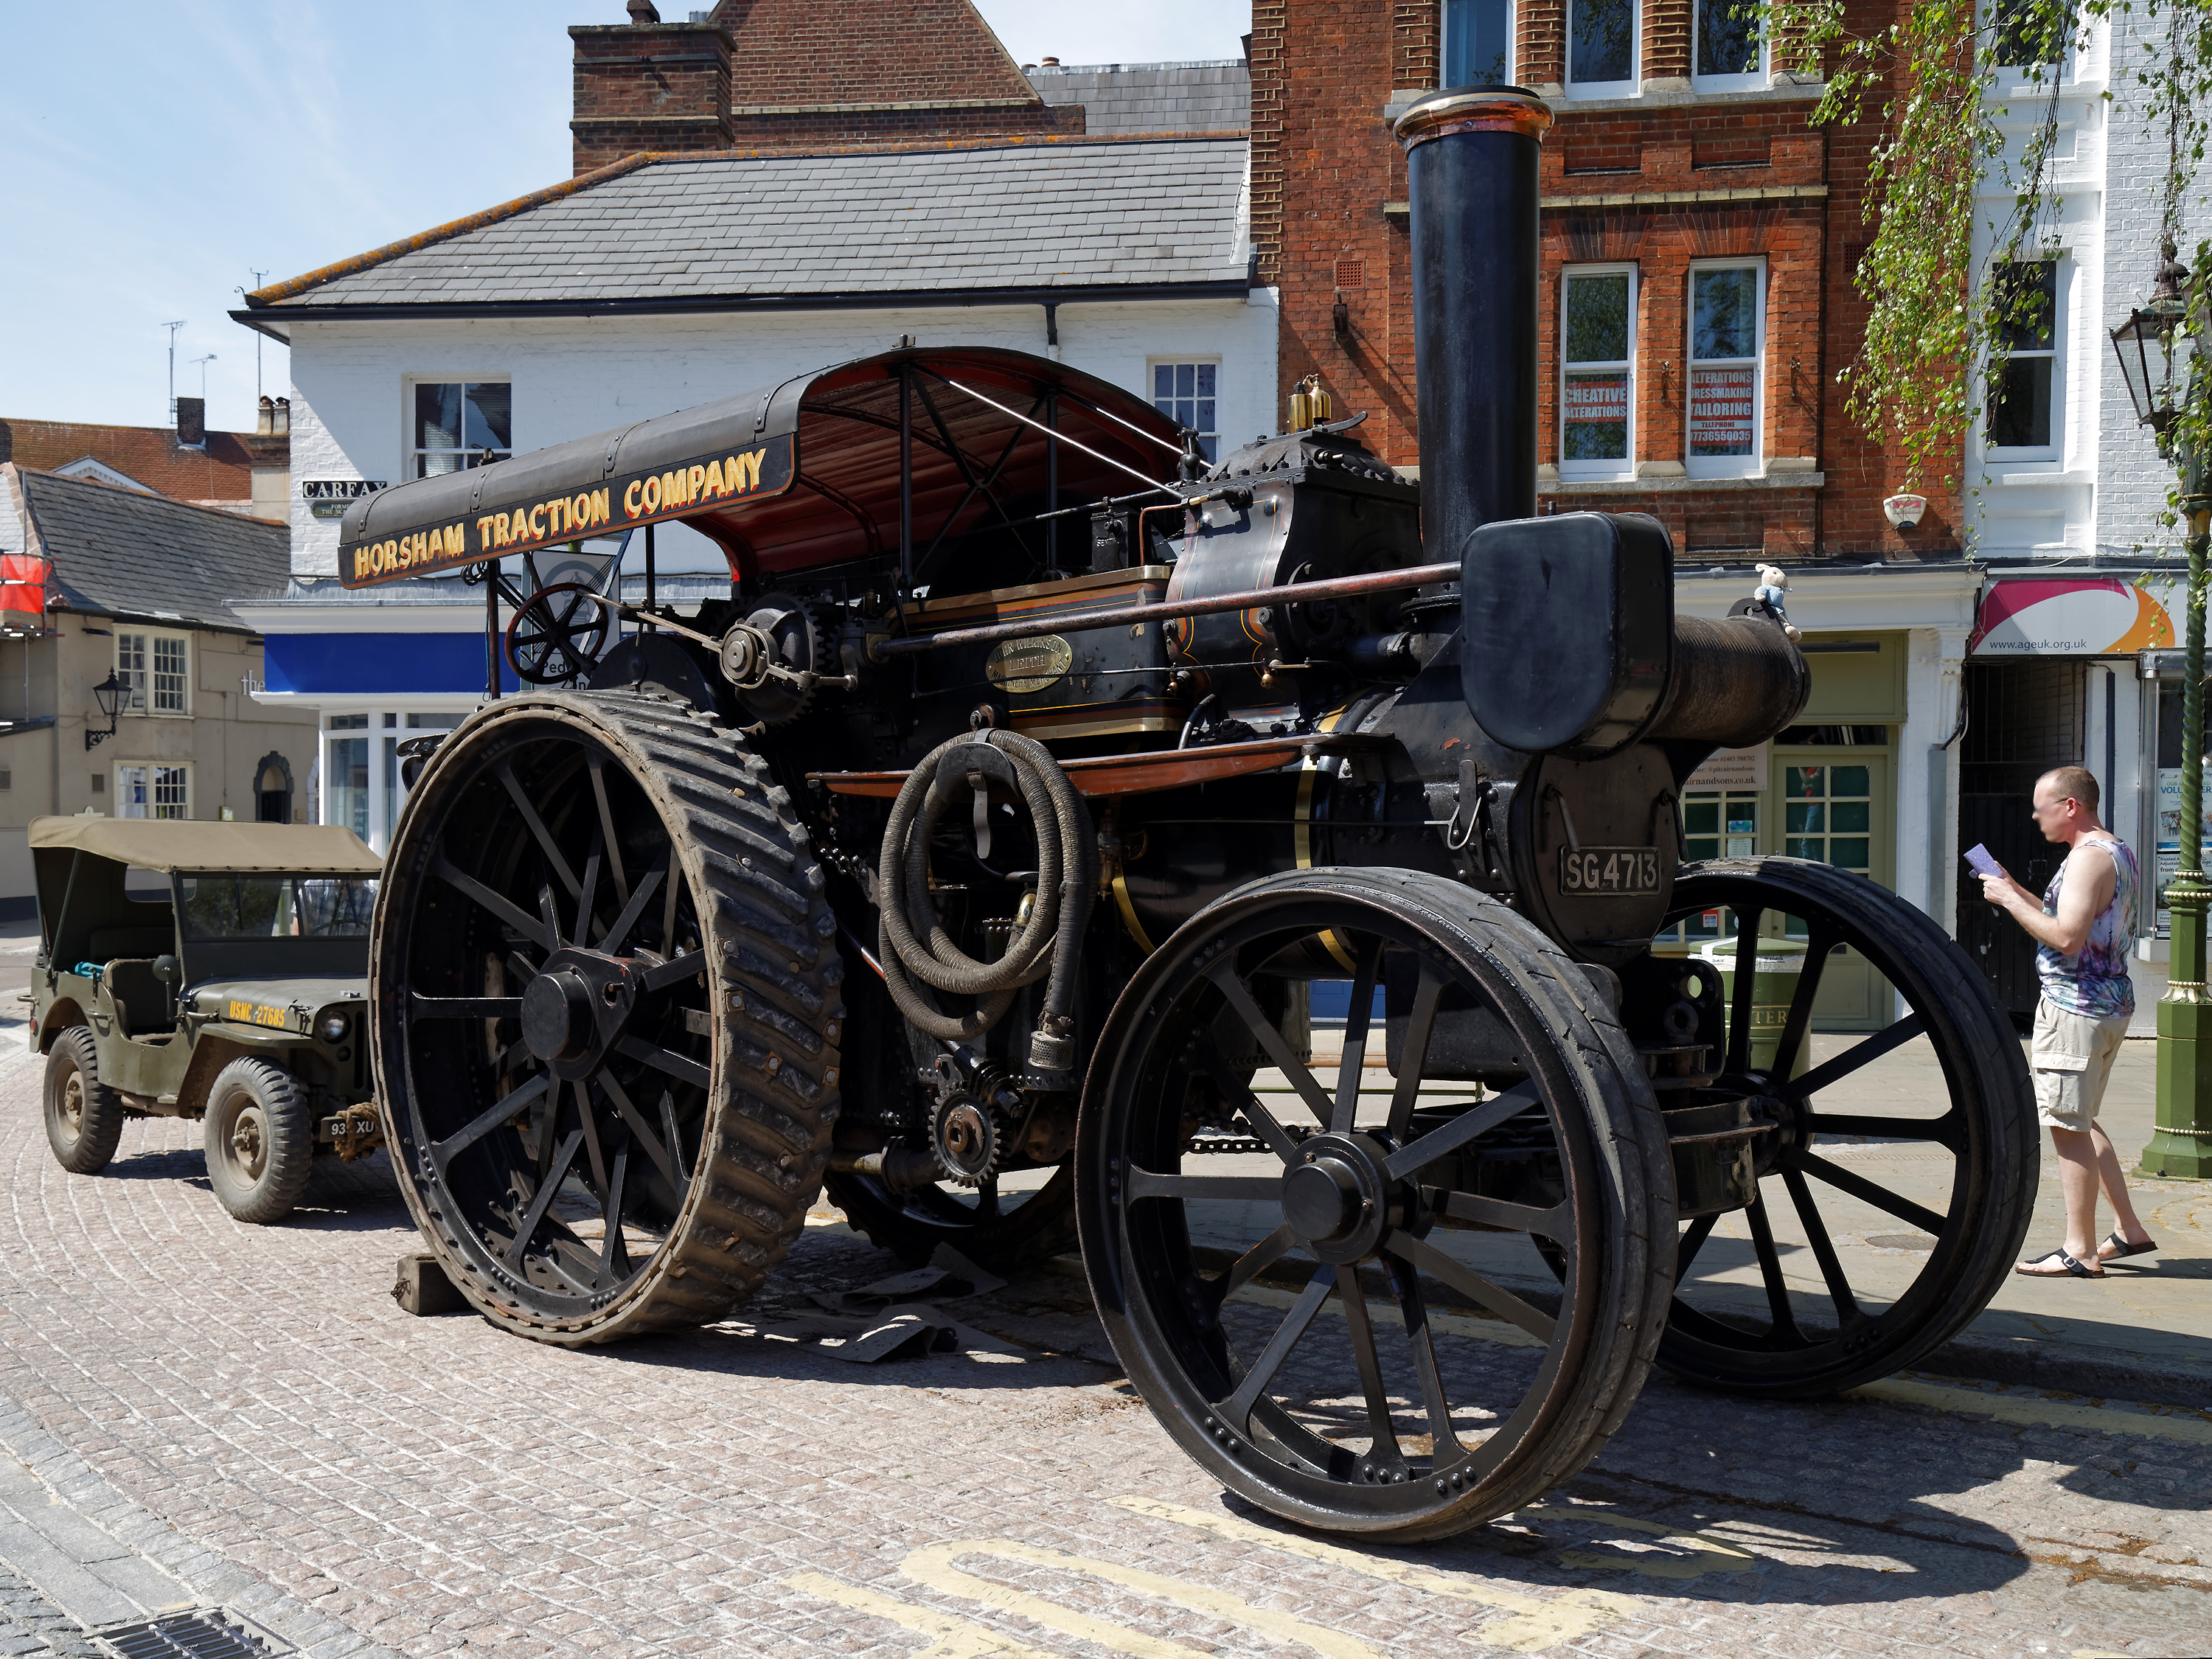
column 621, row 503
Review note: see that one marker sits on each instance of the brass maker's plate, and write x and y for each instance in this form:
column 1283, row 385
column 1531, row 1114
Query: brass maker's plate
column 1029, row 665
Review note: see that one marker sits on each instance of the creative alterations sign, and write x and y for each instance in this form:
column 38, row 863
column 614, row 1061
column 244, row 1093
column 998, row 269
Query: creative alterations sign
column 619, row 504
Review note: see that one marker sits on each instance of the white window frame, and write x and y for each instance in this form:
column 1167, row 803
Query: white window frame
column 1753, row 80
column 2013, row 78
column 179, row 775
column 410, row 455
column 1627, row 89
column 144, row 683
column 1512, row 41
column 1626, row 466
column 1196, row 359
column 384, row 729
column 2061, row 279
column 1726, row 466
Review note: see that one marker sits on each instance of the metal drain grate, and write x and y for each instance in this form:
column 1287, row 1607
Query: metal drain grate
column 196, row 1635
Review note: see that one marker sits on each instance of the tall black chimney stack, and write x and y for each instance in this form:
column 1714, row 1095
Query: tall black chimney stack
column 1471, row 172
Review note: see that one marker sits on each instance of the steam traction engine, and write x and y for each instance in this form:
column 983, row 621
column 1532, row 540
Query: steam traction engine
column 978, row 857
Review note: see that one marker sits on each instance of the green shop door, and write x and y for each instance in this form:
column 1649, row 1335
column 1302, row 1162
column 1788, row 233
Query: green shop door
column 1837, row 807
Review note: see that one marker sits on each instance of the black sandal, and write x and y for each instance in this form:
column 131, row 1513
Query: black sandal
column 2041, row 1268
column 2121, row 1247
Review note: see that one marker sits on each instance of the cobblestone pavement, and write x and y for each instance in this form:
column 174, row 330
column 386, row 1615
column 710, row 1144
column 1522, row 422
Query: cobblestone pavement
column 247, row 1409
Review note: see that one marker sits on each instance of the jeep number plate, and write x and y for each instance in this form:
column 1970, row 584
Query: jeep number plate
column 1604, row 871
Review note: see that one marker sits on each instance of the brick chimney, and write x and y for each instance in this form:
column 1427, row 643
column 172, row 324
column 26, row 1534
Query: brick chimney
column 649, row 85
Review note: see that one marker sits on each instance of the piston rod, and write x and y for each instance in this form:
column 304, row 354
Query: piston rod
column 1338, row 587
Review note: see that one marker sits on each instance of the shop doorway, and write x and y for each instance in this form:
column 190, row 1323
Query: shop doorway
column 2024, row 718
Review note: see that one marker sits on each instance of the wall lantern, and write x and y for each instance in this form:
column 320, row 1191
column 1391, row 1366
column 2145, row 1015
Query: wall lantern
column 109, row 693
column 2155, row 348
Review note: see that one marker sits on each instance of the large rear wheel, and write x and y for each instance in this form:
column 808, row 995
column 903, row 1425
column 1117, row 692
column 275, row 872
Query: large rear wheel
column 1764, row 1301
column 607, row 1010
column 1325, row 1323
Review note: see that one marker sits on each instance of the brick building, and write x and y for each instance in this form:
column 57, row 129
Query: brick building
column 244, row 472
column 1683, row 176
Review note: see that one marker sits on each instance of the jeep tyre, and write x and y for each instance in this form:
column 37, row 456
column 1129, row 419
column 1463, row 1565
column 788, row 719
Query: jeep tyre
column 260, row 1140
column 84, row 1116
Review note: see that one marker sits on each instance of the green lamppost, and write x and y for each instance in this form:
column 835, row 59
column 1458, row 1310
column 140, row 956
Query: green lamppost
column 2163, row 361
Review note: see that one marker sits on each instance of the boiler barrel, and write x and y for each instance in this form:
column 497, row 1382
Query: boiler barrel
column 1734, row 684
column 1471, row 158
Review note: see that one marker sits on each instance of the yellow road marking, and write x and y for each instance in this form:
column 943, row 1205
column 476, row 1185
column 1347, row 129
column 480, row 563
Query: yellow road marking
column 1537, row 1625
column 2160, row 1422
column 934, row 1567
column 954, row 1638
column 1711, row 1554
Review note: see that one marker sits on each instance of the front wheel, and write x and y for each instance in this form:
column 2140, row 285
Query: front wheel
column 84, row 1116
column 1283, row 1311
column 260, row 1140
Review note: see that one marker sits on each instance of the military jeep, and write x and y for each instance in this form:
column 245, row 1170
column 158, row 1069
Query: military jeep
column 214, row 971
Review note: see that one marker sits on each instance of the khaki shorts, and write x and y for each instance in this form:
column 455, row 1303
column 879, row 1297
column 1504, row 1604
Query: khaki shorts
column 2072, row 1055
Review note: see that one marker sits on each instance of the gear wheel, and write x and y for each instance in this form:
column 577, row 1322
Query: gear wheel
column 964, row 1133
column 782, row 637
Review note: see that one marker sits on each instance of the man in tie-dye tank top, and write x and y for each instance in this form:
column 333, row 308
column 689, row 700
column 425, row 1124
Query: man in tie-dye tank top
column 2082, row 927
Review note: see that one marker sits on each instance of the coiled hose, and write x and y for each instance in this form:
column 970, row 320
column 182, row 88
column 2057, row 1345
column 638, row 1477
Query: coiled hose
column 913, row 944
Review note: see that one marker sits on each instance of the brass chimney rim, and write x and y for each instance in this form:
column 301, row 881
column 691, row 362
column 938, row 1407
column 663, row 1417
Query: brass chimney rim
column 1473, row 109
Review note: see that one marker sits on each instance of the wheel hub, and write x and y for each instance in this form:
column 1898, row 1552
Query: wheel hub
column 247, row 1141
column 1336, row 1196
column 576, row 1009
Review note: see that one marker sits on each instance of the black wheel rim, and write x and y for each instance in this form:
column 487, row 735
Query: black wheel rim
column 1737, row 1320
column 1367, row 1420
column 560, row 1162
column 558, row 635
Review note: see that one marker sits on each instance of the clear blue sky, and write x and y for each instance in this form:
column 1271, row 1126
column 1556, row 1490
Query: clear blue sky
column 159, row 154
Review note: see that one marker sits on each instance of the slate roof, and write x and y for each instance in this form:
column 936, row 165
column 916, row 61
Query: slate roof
column 146, row 557
column 1123, row 100
column 691, row 229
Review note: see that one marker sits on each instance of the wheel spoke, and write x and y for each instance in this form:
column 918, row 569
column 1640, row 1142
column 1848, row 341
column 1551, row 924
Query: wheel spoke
column 1231, row 1190
column 1738, row 1025
column 1263, row 1122
column 423, row 1007
column 1383, row 1446
column 532, row 928
column 1237, row 1408
column 1420, row 1252
column 1254, row 1262
column 986, row 1198
column 1824, row 1248
column 1800, row 1018
column 1223, row 978
column 588, row 900
column 538, row 829
column 1413, row 1308
column 614, row 1249
column 1556, row 1223
column 589, row 1121
column 1353, row 1061
column 675, row 1141
column 645, row 1137
column 688, row 1071
column 1946, row 1130
column 1413, row 1056
column 607, row 836
column 681, row 967
column 1850, row 1181
column 1692, row 1242
column 1475, row 1121
column 611, row 941
column 443, row 1153
column 1831, row 1071
column 548, row 1185
column 1785, row 1333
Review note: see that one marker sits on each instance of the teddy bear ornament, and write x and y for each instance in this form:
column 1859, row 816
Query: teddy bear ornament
column 1773, row 593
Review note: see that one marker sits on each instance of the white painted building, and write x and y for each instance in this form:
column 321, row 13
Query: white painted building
column 665, row 283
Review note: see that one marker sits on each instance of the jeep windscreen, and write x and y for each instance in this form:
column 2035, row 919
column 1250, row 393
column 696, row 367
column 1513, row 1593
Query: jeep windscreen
column 234, row 908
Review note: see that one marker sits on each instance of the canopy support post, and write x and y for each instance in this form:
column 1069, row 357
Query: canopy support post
column 648, row 567
column 1052, row 476
column 491, row 630
column 906, row 479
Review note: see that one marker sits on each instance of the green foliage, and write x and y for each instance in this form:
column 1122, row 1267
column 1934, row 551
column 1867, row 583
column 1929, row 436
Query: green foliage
column 1944, row 82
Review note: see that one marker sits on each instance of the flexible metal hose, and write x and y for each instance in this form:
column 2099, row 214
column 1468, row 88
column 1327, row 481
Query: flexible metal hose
column 912, row 942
